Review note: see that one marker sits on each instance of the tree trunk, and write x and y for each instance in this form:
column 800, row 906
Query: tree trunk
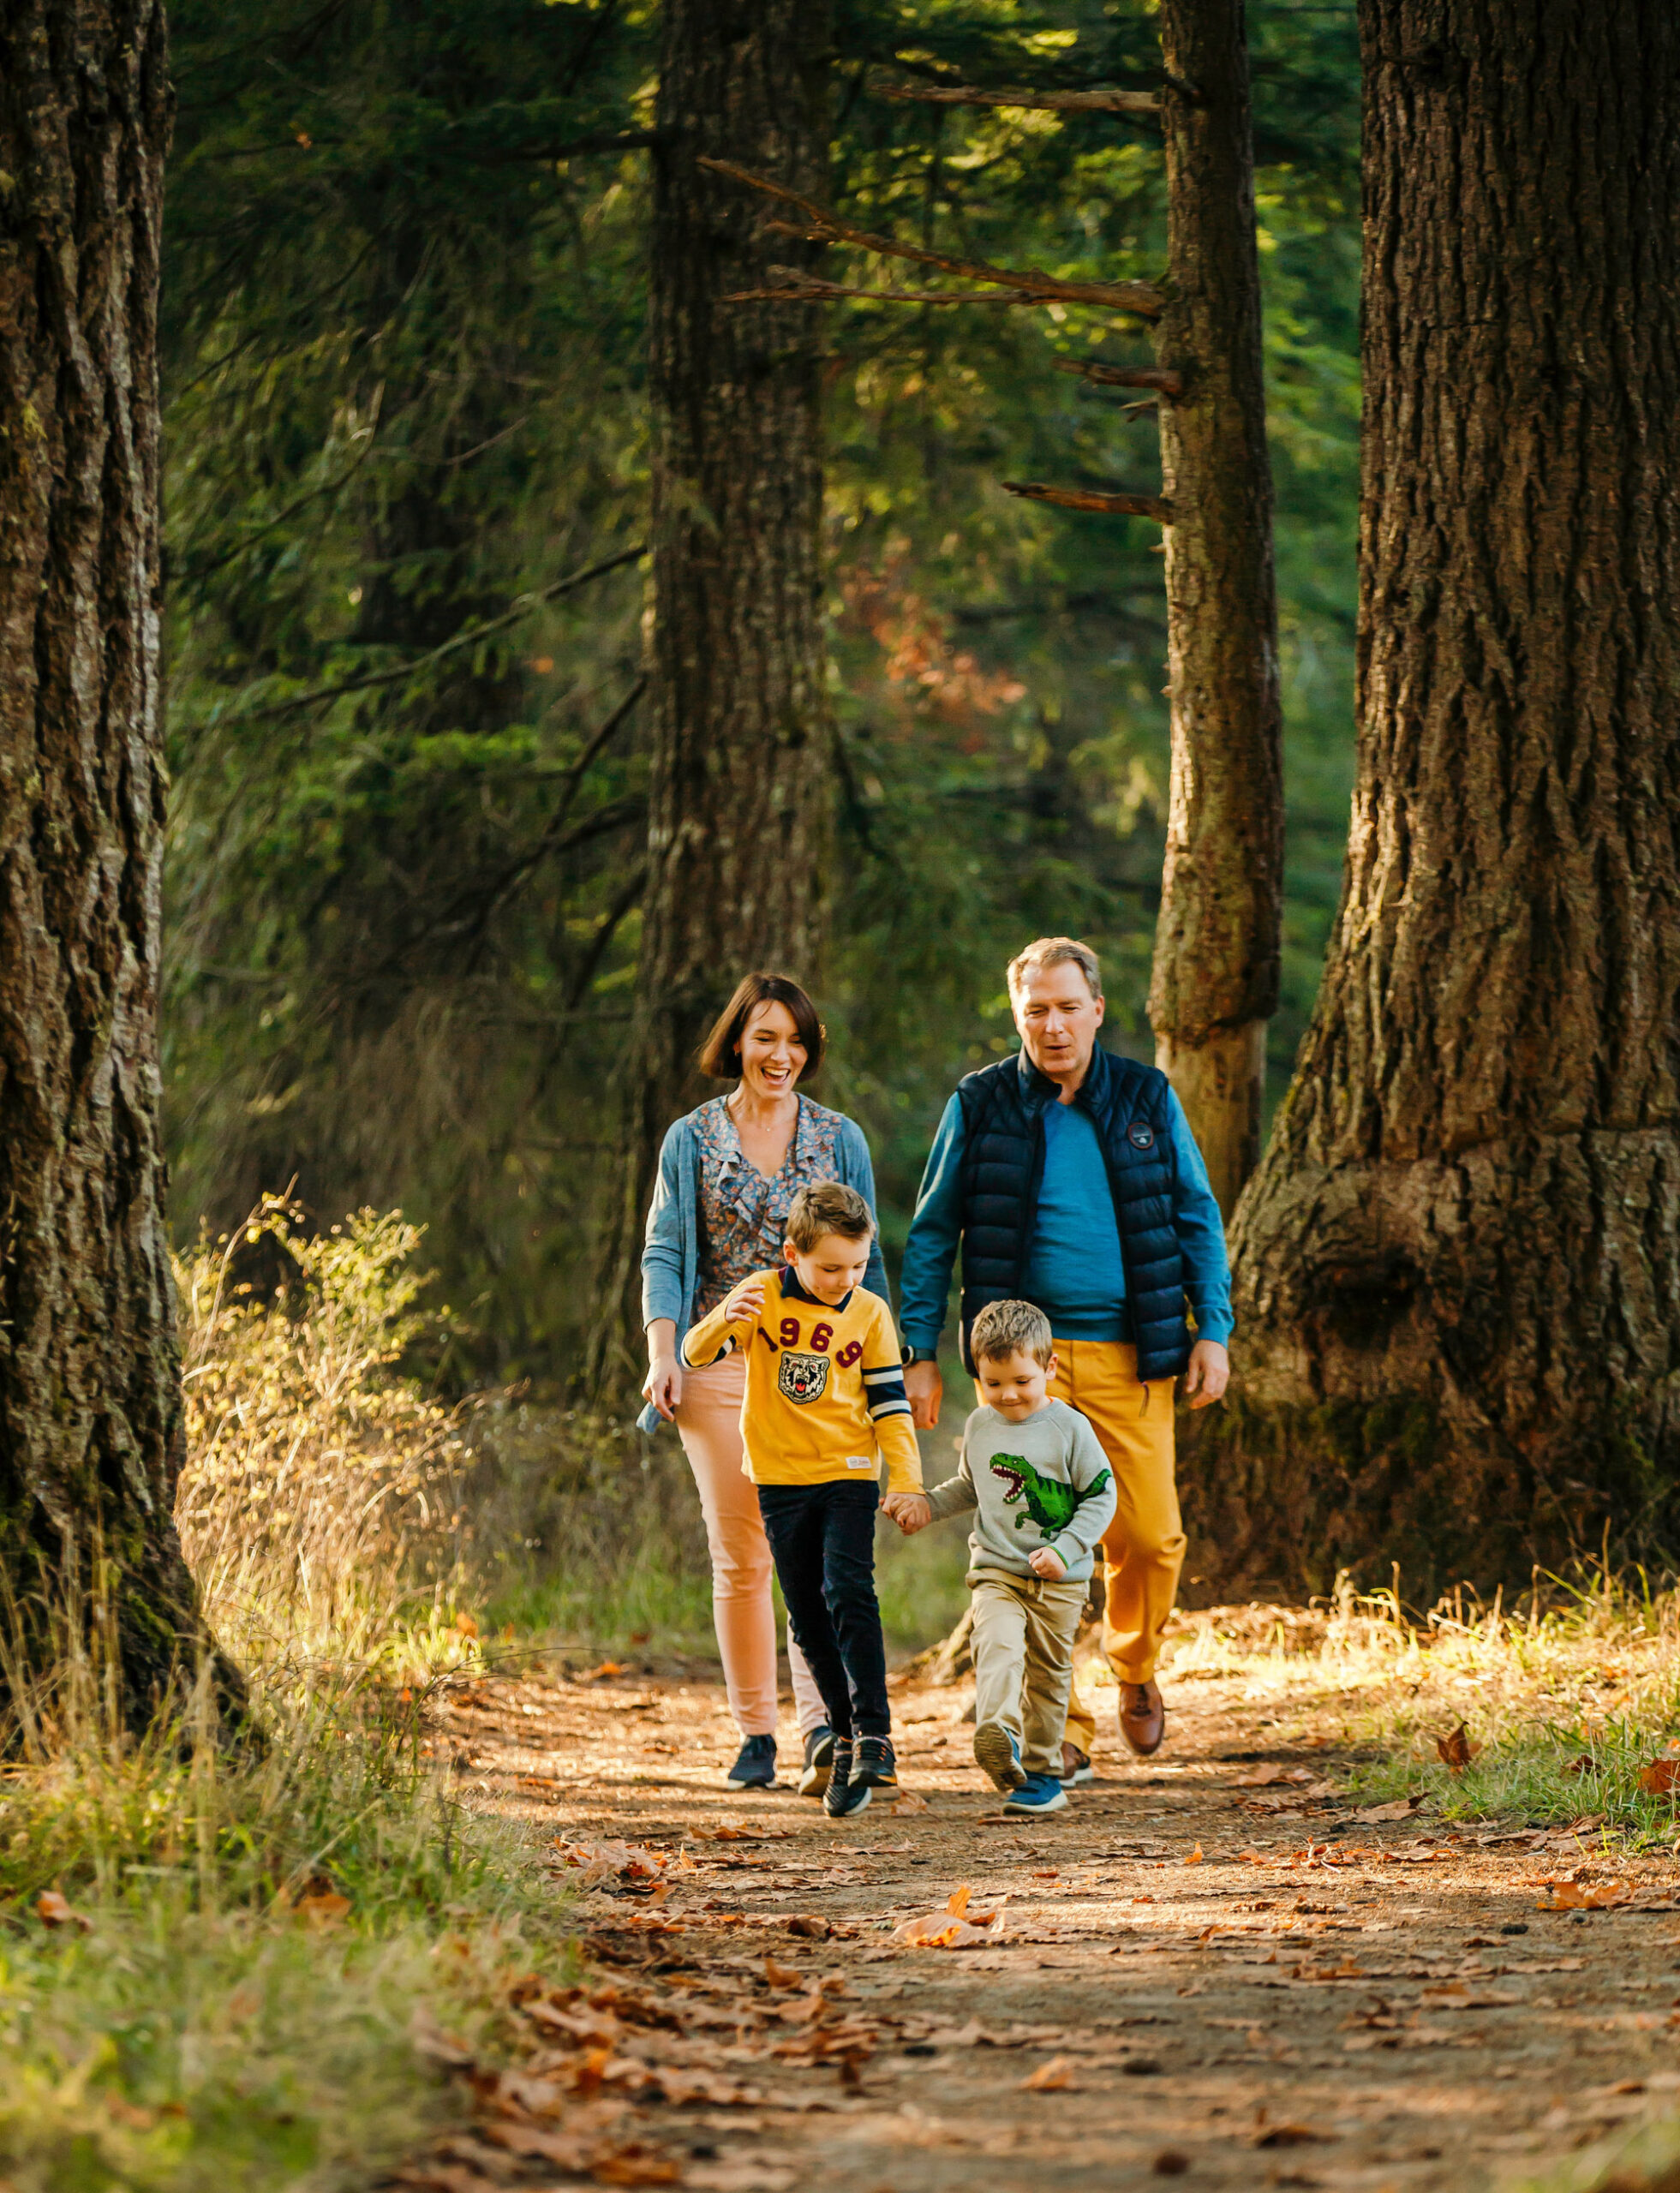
column 90, row 1385
column 1459, row 1266
column 1216, row 944
column 741, row 765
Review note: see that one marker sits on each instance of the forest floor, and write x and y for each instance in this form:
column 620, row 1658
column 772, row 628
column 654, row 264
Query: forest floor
column 1209, row 1965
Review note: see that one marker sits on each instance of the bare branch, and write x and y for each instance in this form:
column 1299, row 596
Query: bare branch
column 811, row 289
column 1118, row 503
column 1144, row 106
column 1140, row 297
column 1168, row 383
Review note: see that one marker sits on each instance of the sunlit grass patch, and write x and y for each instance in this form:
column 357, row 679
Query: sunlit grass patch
column 1565, row 1702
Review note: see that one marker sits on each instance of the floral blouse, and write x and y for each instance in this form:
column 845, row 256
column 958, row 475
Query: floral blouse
column 743, row 1216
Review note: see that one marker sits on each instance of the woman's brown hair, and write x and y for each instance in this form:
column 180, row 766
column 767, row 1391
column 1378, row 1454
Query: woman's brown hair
column 720, row 1053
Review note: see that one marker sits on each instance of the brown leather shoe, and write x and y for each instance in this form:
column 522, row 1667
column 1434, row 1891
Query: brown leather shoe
column 1143, row 1717
column 1076, row 1766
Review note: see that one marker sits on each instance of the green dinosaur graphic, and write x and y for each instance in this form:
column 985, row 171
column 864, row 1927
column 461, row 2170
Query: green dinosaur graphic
column 1050, row 1503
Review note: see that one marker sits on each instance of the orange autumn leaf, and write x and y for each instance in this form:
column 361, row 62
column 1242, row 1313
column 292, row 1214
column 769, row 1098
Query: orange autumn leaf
column 1054, row 2077
column 957, row 1902
column 323, row 1907
column 54, row 1910
column 1455, row 1749
column 1661, row 1778
column 1195, row 1856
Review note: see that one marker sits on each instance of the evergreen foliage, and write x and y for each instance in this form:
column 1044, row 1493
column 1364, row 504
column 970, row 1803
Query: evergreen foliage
column 405, row 329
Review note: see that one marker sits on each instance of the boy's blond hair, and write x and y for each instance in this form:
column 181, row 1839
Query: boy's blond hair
column 827, row 1207
column 1006, row 1329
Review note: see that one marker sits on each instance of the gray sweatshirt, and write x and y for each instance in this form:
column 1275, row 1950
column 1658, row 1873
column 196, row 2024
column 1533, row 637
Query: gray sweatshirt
column 1044, row 1481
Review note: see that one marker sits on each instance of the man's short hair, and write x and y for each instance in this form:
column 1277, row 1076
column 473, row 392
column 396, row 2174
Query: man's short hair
column 1007, row 1328
column 1051, row 952
column 827, row 1207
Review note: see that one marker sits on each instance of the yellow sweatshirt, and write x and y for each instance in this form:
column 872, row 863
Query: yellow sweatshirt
column 824, row 1385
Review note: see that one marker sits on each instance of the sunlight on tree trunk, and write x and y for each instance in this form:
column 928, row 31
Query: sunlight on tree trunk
column 90, row 1381
column 1458, row 1293
column 1216, row 945
column 742, row 743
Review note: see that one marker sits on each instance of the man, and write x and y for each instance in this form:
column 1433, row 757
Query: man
column 1072, row 1180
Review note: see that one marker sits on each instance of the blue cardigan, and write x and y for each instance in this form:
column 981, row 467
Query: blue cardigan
column 670, row 1249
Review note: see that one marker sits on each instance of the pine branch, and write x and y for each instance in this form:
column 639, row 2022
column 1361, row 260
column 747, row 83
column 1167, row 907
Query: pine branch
column 1161, row 377
column 1143, row 106
column 811, row 289
column 825, row 227
column 522, row 607
column 1119, row 502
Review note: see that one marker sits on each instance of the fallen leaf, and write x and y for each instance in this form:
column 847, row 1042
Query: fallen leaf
column 1577, row 1895
column 1455, row 1748
column 53, row 1909
column 1401, row 1809
column 1195, row 1856
column 323, row 1907
column 809, row 1925
column 957, row 1902
column 1586, row 1763
column 1661, row 1778
column 607, row 1668
column 780, row 1976
column 1288, row 2136
column 1054, row 2077
column 909, row 1803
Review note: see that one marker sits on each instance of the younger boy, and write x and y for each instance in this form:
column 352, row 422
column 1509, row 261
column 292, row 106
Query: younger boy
column 824, row 1386
column 1042, row 1496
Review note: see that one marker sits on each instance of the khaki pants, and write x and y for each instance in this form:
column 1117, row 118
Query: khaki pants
column 1143, row 1549
column 1022, row 1647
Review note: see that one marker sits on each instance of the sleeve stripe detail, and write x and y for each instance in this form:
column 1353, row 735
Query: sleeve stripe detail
column 878, row 1409
column 885, row 1374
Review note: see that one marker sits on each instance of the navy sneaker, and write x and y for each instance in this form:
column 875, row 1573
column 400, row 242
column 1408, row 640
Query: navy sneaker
column 844, row 1796
column 998, row 1754
column 819, row 1761
column 756, row 1768
column 1039, row 1793
column 875, row 1763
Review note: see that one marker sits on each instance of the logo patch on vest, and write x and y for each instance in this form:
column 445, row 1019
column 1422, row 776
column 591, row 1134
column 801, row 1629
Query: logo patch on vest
column 1140, row 1135
column 802, row 1377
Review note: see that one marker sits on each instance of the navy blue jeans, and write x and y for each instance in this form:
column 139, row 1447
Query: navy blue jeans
column 822, row 1542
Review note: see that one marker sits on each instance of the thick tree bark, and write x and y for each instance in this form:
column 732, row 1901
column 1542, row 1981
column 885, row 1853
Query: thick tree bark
column 1216, row 945
column 741, row 767
column 90, row 1387
column 1459, row 1265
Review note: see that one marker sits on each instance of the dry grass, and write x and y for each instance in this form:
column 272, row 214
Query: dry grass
column 321, row 1506
column 251, row 1931
column 1565, row 1699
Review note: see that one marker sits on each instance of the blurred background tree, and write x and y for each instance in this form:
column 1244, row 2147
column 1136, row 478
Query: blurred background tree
column 406, row 315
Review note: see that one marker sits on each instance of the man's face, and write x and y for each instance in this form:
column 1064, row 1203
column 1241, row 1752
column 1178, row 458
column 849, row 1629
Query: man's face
column 1058, row 1019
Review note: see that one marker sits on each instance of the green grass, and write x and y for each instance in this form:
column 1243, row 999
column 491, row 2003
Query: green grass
column 1565, row 1705
column 235, row 2003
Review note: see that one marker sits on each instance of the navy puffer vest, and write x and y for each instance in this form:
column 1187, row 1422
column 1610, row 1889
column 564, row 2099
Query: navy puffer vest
column 1003, row 1163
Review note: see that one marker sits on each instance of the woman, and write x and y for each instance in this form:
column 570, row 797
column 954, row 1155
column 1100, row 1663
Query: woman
column 727, row 1173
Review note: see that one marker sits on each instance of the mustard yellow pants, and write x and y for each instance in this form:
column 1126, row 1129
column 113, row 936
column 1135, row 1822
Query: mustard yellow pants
column 1143, row 1549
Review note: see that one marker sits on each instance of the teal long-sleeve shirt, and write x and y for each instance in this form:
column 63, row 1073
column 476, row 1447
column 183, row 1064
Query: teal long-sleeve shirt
column 1074, row 1270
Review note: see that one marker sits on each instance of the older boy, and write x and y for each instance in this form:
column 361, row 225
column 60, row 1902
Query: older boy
column 824, row 1390
column 1043, row 1495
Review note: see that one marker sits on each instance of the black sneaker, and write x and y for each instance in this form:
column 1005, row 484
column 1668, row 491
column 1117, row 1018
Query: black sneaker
column 819, row 1761
column 756, row 1768
column 877, row 1768
column 844, row 1796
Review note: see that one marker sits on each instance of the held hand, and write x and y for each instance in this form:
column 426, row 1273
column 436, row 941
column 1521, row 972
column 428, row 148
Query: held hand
column 746, row 1303
column 663, row 1385
column 910, row 1511
column 1209, row 1374
column 926, row 1389
column 1046, row 1564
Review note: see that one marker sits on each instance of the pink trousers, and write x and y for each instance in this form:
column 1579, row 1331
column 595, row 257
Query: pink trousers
column 708, row 1421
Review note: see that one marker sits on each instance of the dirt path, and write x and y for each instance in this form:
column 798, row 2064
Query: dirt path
column 1313, row 2000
